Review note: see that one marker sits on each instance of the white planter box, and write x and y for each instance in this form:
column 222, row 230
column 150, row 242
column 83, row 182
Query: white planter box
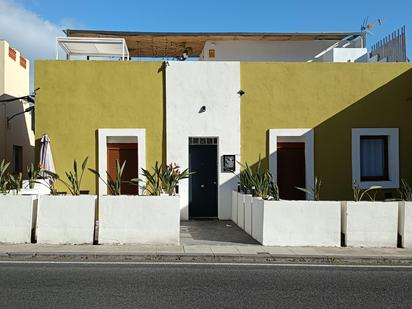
column 234, row 206
column 129, row 219
column 241, row 210
column 405, row 224
column 17, row 218
column 40, row 188
column 370, row 224
column 296, row 223
column 248, row 213
column 66, row 219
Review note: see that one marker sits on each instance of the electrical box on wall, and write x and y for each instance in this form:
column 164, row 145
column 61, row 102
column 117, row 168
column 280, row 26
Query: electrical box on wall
column 229, row 163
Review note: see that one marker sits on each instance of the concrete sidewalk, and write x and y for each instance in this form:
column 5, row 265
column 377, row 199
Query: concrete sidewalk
column 206, row 253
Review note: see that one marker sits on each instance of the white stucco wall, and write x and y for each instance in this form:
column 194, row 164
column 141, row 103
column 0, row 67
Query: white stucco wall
column 344, row 55
column 189, row 86
column 281, row 51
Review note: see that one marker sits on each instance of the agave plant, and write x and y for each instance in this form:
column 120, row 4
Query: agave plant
column 15, row 182
column 74, row 177
column 313, row 191
column 34, row 174
column 405, row 191
column 114, row 185
column 163, row 179
column 359, row 194
column 260, row 183
column 4, row 179
column 153, row 180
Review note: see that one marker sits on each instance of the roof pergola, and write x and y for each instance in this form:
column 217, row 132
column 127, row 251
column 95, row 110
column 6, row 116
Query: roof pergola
column 171, row 45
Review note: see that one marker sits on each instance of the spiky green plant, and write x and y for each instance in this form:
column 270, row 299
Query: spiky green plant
column 359, row 194
column 74, row 177
column 163, row 179
column 153, row 180
column 313, row 191
column 114, row 185
column 15, row 182
column 170, row 177
column 4, row 179
column 405, row 191
column 34, row 174
column 258, row 181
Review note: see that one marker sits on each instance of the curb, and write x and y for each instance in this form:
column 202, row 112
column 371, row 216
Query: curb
column 208, row 258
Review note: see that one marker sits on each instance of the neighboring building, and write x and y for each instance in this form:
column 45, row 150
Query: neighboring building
column 345, row 123
column 16, row 129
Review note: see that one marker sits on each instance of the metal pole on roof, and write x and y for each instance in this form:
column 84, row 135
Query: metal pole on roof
column 57, row 51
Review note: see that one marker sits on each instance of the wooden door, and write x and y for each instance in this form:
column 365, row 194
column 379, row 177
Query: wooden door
column 291, row 170
column 123, row 152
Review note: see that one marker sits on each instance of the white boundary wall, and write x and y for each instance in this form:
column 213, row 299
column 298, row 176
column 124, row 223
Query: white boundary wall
column 128, row 219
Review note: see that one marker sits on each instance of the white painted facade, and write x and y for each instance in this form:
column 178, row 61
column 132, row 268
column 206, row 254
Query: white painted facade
column 344, row 55
column 189, row 86
column 279, row 51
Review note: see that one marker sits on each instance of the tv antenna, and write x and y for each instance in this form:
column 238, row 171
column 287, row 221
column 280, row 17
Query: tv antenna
column 367, row 26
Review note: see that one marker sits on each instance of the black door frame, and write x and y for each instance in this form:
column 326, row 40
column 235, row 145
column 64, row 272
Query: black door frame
column 204, row 141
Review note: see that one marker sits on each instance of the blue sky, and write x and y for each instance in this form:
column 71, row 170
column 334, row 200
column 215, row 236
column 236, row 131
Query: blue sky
column 31, row 26
column 226, row 15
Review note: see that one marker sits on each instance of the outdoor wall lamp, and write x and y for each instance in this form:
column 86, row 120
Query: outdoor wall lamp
column 202, row 109
column 241, row 92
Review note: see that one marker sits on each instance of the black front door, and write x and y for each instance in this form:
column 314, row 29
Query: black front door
column 203, row 183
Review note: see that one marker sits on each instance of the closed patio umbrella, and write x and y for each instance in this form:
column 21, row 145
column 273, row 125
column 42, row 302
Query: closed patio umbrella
column 46, row 158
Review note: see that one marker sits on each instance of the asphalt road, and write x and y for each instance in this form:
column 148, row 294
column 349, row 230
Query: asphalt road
column 202, row 286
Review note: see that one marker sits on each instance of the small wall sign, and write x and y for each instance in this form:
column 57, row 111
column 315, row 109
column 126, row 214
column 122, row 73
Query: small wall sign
column 229, row 163
column 212, row 53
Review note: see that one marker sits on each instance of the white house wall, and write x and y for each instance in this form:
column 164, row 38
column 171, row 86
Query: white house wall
column 291, row 51
column 189, row 86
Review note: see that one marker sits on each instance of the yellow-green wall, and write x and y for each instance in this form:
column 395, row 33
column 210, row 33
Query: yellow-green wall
column 332, row 98
column 78, row 97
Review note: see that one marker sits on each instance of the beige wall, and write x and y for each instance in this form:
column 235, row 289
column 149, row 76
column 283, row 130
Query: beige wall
column 14, row 82
column 15, row 78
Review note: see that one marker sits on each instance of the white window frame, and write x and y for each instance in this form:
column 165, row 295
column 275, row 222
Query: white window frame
column 293, row 135
column 393, row 157
column 120, row 136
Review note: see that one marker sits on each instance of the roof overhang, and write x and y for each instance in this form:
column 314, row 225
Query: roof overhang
column 171, row 44
column 93, row 46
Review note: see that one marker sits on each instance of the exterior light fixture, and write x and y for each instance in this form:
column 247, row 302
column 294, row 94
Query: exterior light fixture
column 241, row 92
column 202, row 109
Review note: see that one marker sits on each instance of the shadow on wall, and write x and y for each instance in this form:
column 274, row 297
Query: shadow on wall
column 389, row 106
column 17, row 132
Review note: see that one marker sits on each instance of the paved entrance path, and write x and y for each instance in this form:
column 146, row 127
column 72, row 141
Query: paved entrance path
column 213, row 233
